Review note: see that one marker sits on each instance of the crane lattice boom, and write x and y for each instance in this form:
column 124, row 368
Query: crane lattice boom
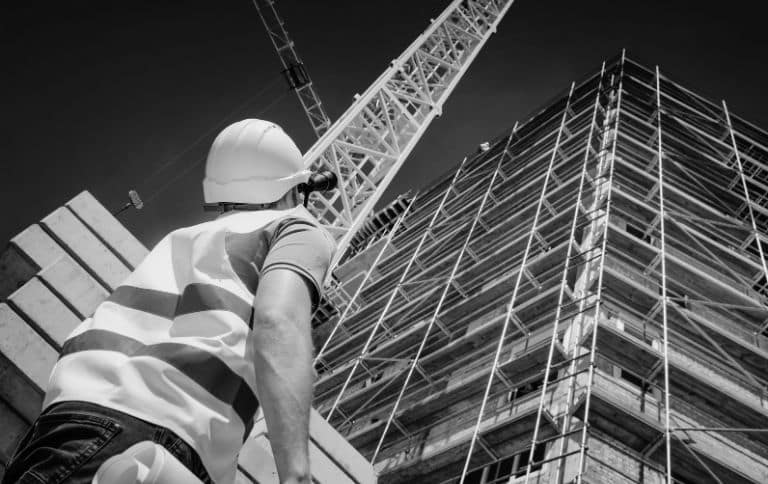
column 293, row 67
column 371, row 140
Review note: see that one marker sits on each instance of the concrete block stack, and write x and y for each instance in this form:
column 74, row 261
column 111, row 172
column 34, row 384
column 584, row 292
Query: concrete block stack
column 332, row 459
column 52, row 276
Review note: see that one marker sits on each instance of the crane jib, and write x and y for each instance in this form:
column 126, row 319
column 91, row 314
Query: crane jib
column 368, row 144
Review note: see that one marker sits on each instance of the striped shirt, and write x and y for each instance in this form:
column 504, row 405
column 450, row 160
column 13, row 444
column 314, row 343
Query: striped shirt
column 169, row 345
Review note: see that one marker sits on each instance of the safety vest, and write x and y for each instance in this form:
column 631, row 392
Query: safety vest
column 169, row 345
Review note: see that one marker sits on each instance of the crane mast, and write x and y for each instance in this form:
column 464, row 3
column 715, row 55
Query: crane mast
column 293, row 68
column 368, row 144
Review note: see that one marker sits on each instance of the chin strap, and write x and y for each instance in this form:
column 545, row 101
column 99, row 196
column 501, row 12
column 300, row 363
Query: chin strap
column 323, row 181
column 224, row 207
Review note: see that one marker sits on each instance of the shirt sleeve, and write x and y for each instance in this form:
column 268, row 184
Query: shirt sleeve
column 300, row 246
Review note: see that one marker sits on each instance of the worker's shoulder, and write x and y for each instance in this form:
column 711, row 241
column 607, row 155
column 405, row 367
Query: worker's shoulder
column 300, row 213
column 270, row 222
column 300, row 216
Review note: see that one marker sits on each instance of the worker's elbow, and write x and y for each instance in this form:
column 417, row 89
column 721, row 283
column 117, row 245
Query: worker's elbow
column 281, row 319
column 274, row 330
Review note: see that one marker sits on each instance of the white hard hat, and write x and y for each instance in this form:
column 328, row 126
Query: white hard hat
column 252, row 161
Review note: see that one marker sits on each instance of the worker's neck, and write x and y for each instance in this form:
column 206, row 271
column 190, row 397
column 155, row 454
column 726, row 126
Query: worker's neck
column 287, row 202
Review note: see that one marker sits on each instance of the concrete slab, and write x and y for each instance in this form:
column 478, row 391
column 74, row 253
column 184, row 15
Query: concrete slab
column 73, row 283
column 13, row 430
column 108, row 228
column 332, row 459
column 27, row 253
column 49, row 314
column 15, row 270
column 38, row 245
column 24, row 348
column 18, row 391
column 339, row 450
column 324, row 470
column 81, row 242
column 257, row 459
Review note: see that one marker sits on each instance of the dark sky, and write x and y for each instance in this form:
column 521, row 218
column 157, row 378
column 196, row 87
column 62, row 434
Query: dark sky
column 100, row 95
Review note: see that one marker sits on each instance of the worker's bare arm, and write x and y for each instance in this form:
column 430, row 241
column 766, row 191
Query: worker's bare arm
column 282, row 347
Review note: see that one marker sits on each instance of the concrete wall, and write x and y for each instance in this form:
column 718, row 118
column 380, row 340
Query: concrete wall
column 608, row 463
column 332, row 459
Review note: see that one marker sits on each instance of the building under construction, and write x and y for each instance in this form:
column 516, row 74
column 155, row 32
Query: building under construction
column 582, row 300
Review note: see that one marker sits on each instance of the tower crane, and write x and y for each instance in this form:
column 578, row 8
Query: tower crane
column 293, row 68
column 368, row 144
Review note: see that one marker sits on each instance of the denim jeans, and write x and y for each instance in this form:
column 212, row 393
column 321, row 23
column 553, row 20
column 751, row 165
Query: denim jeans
column 70, row 440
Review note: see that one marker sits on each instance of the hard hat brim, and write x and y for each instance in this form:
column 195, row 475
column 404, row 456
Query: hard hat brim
column 253, row 189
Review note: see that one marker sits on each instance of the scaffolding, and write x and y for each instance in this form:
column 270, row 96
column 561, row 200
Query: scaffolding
column 583, row 302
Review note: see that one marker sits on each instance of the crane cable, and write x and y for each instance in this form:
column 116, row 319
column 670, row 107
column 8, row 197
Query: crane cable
column 204, row 136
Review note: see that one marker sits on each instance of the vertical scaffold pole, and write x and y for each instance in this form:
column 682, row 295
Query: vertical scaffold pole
column 660, row 154
column 367, row 276
column 563, row 285
column 601, row 269
column 510, row 306
column 747, row 198
column 436, row 312
column 397, row 287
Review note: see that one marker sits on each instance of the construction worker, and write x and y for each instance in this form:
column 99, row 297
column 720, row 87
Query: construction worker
column 216, row 314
